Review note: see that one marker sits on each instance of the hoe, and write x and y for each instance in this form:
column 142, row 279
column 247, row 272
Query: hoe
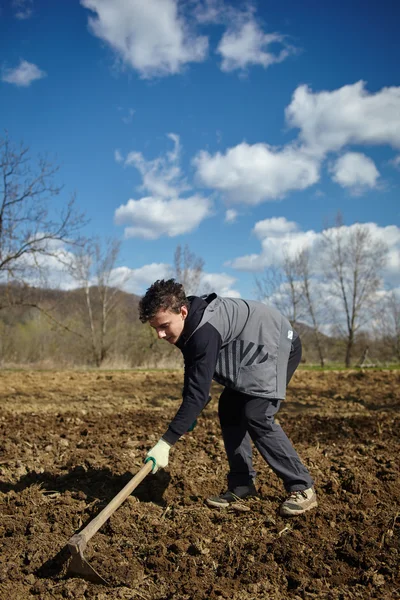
column 79, row 566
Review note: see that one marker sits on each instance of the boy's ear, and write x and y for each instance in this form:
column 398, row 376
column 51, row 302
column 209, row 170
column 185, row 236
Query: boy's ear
column 184, row 312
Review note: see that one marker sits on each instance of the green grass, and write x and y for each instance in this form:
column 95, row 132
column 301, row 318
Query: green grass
column 302, row 367
column 342, row 367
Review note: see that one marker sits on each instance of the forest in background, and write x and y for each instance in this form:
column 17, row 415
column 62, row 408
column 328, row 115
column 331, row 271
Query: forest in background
column 61, row 334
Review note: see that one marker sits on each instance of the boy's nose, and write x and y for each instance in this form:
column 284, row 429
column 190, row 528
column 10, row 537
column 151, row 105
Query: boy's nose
column 161, row 334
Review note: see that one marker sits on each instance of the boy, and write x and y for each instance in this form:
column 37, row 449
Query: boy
column 252, row 350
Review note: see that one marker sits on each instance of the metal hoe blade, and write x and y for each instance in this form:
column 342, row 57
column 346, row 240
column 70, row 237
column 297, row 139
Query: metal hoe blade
column 79, row 566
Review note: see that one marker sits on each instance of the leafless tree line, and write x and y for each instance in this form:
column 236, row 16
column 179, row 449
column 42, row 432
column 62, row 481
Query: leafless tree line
column 35, row 234
column 335, row 287
column 335, row 284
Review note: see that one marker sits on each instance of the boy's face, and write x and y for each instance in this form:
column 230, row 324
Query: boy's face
column 169, row 325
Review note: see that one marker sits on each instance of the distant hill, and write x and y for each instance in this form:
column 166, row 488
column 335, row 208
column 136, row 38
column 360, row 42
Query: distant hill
column 53, row 327
column 20, row 299
column 70, row 338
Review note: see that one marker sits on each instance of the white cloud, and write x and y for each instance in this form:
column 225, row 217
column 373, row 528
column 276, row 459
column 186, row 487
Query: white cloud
column 248, row 263
column 50, row 270
column 389, row 235
column 220, row 283
column 23, row 9
column 46, row 267
column 274, row 228
column 254, row 173
column 128, row 118
column 162, row 176
column 395, row 162
column 151, row 36
column 356, row 171
column 118, row 156
column 212, row 11
column 23, row 75
column 136, row 281
column 231, row 215
column 55, row 274
column 150, row 217
column 328, row 121
column 244, row 44
column 163, row 212
column 274, row 249
column 349, row 115
column 281, row 238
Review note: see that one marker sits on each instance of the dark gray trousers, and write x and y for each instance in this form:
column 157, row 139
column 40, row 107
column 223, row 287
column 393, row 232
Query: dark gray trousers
column 244, row 418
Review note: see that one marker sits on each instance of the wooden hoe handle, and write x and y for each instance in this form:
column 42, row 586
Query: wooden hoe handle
column 78, row 542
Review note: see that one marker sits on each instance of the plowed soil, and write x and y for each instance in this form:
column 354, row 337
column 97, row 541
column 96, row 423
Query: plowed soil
column 71, row 440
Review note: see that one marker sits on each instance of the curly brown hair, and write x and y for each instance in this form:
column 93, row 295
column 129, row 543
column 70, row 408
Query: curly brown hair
column 162, row 295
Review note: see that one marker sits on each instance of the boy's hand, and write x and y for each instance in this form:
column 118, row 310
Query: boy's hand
column 159, row 455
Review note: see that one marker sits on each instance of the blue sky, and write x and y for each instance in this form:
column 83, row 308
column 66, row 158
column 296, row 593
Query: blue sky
column 238, row 128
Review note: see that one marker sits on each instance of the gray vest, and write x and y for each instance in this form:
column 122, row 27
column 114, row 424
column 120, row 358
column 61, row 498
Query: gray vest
column 256, row 343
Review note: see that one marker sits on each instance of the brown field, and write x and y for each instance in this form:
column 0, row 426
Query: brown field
column 71, row 440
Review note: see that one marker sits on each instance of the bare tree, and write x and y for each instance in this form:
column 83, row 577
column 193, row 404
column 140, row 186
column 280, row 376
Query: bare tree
column 188, row 269
column 393, row 311
column 309, row 299
column 93, row 268
column 281, row 286
column 352, row 261
column 388, row 325
column 30, row 231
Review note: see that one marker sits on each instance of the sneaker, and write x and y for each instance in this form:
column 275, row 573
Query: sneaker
column 238, row 493
column 299, row 502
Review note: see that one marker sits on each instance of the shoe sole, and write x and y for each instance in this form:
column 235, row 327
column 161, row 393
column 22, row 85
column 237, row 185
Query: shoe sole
column 216, row 504
column 293, row 513
column 236, row 501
